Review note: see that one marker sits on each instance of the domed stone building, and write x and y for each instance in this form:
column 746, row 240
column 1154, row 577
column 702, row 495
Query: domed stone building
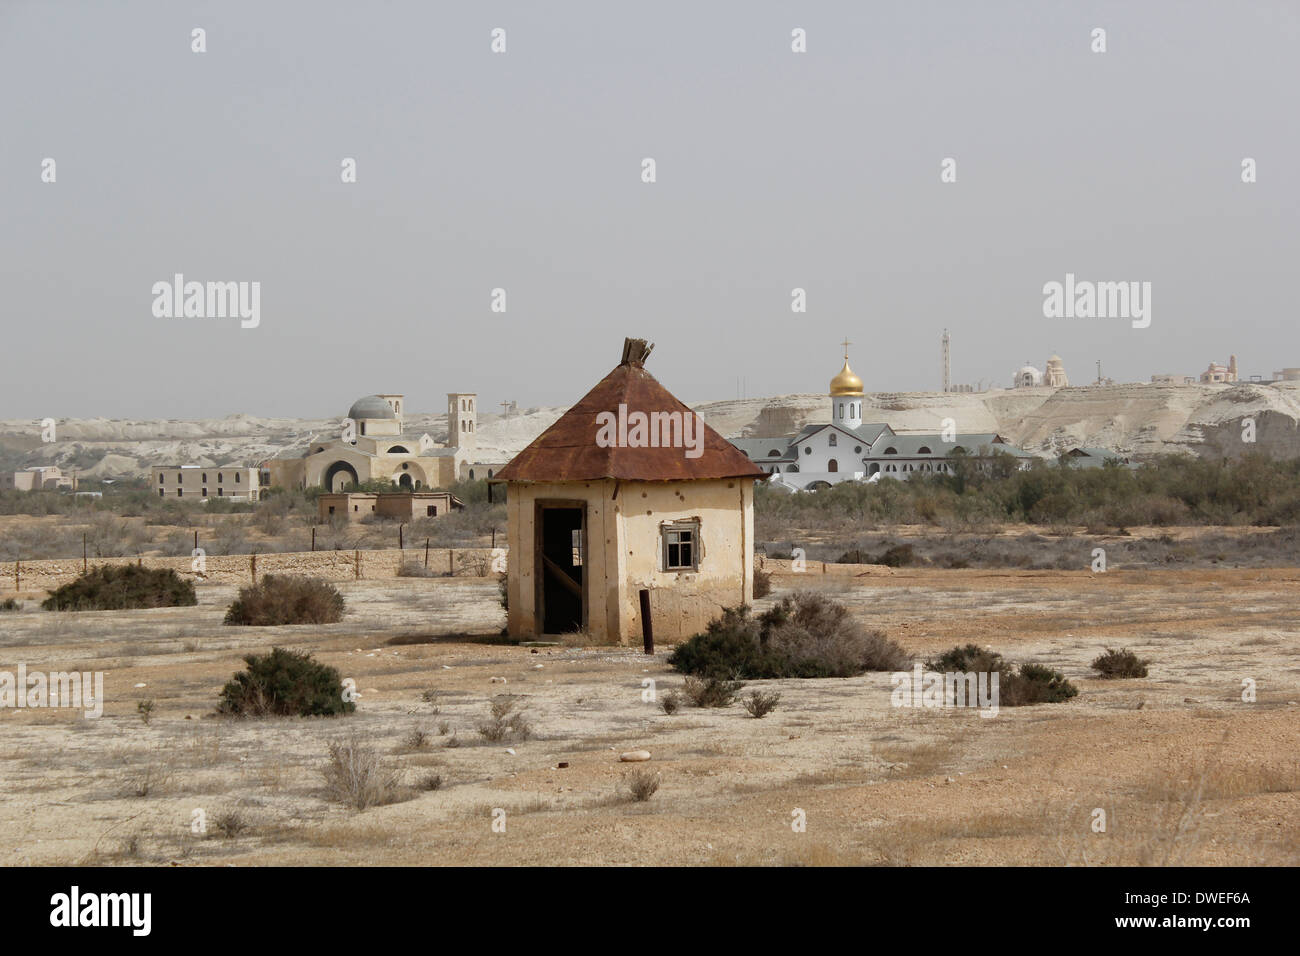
column 373, row 445
column 1027, row 377
column 1055, row 375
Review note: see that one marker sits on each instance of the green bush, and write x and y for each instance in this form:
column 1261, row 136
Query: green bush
column 287, row 599
column 122, row 587
column 1017, row 686
column 1165, row 490
column 284, row 683
column 1036, row 684
column 804, row 635
column 971, row 658
column 9, row 604
column 1121, row 663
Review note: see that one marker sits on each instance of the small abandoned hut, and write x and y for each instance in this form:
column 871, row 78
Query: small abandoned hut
column 628, row 490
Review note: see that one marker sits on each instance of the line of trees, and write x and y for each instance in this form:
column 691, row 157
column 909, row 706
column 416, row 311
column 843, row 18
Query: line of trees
column 1167, row 490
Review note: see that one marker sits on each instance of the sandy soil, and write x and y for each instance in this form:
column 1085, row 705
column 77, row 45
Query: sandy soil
column 1186, row 772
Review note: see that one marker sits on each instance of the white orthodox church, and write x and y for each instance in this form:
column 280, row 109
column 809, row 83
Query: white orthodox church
column 846, row 449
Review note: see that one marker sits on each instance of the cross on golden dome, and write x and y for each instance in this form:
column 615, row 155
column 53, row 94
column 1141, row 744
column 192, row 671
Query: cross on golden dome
column 846, row 383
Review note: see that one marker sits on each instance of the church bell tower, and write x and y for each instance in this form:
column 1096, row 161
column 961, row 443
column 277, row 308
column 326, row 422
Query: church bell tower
column 846, row 395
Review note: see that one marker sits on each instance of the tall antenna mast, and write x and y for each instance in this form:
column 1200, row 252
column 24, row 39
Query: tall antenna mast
column 947, row 366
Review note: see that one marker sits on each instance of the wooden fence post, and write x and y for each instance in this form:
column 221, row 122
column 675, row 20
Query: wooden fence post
column 401, row 545
column 313, row 537
column 357, row 558
column 426, row 552
column 252, row 566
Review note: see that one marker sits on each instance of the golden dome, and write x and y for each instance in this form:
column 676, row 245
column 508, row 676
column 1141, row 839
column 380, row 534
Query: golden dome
column 846, row 383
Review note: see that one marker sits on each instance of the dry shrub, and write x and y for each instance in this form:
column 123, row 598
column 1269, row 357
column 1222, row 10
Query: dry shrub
column 760, row 704
column 671, row 702
column 122, row 587
column 642, row 785
column 1021, row 686
column 417, row 739
column 230, row 823
column 414, row 569
column 150, row 780
column 1121, row 663
column 711, row 691
column 287, row 599
column 804, row 635
column 356, row 776
column 504, row 722
column 762, row 583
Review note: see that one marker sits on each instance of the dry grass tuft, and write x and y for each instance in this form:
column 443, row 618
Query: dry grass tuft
column 357, row 777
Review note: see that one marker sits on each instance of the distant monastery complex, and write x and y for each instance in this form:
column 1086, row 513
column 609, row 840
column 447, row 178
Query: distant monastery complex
column 846, row 449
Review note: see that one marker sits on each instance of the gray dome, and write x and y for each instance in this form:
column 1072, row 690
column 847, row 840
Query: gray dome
column 372, row 406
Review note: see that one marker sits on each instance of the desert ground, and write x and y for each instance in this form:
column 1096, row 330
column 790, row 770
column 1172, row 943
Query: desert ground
column 1185, row 770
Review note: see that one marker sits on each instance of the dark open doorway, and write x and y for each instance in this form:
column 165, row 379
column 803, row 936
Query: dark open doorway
column 561, row 547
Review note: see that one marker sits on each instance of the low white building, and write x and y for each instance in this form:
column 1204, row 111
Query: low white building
column 201, row 482
column 846, row 449
column 38, row 478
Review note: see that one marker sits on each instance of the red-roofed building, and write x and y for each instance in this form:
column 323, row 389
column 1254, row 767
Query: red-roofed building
column 628, row 490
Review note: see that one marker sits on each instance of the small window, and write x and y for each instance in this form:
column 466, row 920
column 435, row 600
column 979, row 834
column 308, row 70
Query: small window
column 681, row 546
column 331, row 509
column 807, row 451
column 575, row 558
column 205, row 477
column 924, row 450
column 834, row 440
column 178, row 477
column 220, row 477
column 205, row 492
column 236, row 477
column 355, row 508
column 162, row 492
column 891, row 450
column 431, row 511
column 857, row 449
column 220, row 492
column 160, row 479
column 180, row 492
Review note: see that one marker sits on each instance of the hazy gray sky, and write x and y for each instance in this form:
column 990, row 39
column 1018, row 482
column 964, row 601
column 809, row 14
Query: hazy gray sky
column 522, row 170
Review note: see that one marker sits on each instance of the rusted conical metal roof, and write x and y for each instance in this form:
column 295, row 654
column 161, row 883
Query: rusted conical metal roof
column 570, row 450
